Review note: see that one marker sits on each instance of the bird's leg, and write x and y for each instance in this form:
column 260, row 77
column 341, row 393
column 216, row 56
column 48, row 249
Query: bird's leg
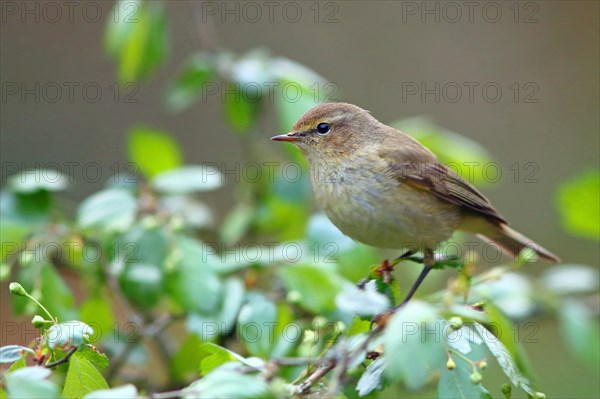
column 386, row 268
column 402, row 257
column 428, row 262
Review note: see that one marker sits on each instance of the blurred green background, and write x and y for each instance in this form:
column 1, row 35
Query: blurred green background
column 372, row 52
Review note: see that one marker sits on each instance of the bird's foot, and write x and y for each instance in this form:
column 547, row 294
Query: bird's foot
column 408, row 255
column 384, row 271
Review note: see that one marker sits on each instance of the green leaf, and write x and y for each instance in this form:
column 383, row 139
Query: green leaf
column 280, row 216
column 315, row 289
column 19, row 210
column 243, row 93
column 241, row 111
column 354, row 264
column 578, row 201
column 12, row 353
column 188, row 179
column 322, row 231
column 215, row 356
column 461, row 339
column 571, row 279
column 580, row 329
column 136, row 37
column 97, row 359
column 371, row 379
column 19, row 364
column 456, row 384
column 96, row 311
column 72, row 332
column 365, row 302
column 511, row 293
column 152, row 151
column 233, row 296
column 227, row 383
column 256, row 324
column 236, row 223
column 194, row 213
column 33, row 372
column 142, row 244
column 463, row 155
column 193, row 283
column 198, row 71
column 412, row 344
column 31, row 181
column 12, row 238
column 498, row 320
column 359, row 326
column 504, row 359
column 144, row 251
column 287, row 340
column 185, row 361
column 123, row 392
column 111, row 210
column 252, row 70
column 119, row 27
column 299, row 90
column 82, row 378
column 329, row 245
column 142, row 283
column 30, row 383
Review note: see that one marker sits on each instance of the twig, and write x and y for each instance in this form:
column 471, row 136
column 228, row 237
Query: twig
column 321, row 371
column 292, row 361
column 62, row 360
column 338, row 375
column 329, row 364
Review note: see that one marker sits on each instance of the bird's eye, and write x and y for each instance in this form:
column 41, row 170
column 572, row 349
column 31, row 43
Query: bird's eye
column 323, row 128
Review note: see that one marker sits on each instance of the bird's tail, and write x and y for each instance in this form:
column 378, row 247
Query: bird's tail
column 513, row 242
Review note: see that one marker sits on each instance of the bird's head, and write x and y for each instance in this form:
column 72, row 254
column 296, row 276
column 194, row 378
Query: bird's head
column 331, row 129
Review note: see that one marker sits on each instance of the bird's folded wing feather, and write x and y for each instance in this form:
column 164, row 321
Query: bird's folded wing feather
column 430, row 175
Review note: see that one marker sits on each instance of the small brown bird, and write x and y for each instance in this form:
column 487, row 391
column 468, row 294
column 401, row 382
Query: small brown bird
column 381, row 187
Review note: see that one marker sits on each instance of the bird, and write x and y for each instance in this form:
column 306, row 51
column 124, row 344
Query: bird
column 383, row 188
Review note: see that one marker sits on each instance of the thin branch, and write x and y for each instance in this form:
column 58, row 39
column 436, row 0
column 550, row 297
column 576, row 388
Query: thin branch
column 338, row 375
column 329, row 364
column 62, row 360
column 319, row 373
column 292, row 361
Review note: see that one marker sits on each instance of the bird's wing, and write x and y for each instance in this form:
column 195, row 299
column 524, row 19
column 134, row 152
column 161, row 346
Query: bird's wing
column 410, row 165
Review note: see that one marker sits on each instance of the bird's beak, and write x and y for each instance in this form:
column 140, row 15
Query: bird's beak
column 290, row 137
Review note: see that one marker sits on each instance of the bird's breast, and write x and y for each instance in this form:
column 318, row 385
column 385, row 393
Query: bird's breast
column 369, row 205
